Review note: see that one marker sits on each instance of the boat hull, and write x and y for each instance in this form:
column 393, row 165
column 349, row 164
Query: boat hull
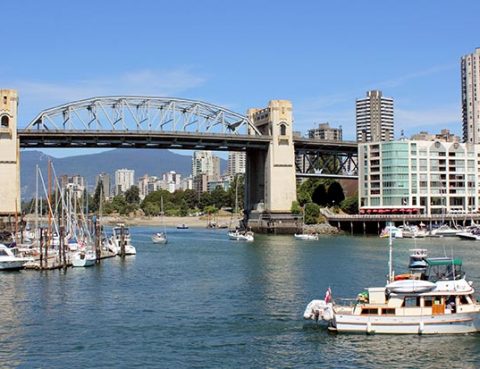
column 430, row 324
column 12, row 264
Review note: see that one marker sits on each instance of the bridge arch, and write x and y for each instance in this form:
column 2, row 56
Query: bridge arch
column 142, row 114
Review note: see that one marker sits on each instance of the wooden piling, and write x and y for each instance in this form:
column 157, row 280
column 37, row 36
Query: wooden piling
column 98, row 237
column 122, row 241
column 41, row 248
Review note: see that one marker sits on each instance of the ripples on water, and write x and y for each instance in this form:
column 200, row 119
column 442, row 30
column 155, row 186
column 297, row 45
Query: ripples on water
column 205, row 302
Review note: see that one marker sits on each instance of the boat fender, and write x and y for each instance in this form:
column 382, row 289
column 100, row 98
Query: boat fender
column 421, row 327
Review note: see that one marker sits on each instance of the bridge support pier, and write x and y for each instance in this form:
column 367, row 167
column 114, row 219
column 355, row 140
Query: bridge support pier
column 270, row 181
column 9, row 154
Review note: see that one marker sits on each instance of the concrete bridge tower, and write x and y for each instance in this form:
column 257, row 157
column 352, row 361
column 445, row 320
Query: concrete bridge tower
column 9, row 154
column 270, row 183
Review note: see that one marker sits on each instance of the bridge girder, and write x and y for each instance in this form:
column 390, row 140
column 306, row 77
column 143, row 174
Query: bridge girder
column 142, row 114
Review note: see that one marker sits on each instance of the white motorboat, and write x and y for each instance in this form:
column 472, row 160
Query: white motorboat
column 160, row 238
column 413, row 231
column 473, row 234
column 306, row 236
column 10, row 261
column 84, row 258
column 441, row 301
column 241, row 235
column 114, row 243
column 444, row 231
column 396, row 232
column 182, row 226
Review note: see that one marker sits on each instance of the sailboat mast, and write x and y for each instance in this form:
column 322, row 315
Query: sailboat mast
column 390, row 253
column 36, row 198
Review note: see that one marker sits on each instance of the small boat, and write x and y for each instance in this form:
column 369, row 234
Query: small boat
column 473, row 234
column 418, row 261
column 306, row 236
column 114, row 242
column 182, row 226
column 410, row 286
column 84, row 258
column 159, row 237
column 390, row 228
column 9, row 260
column 238, row 235
column 444, row 231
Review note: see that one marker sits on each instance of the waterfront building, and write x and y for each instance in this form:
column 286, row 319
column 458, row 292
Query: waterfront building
column 374, row 118
column 325, row 133
column 200, row 183
column 105, row 178
column 236, row 163
column 470, row 71
column 124, row 179
column 427, row 177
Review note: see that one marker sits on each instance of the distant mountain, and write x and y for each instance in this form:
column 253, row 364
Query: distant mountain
column 143, row 161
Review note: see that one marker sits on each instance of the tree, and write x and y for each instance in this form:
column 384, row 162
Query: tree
column 151, row 209
column 98, row 197
column 319, row 195
column 312, row 212
column 335, row 194
column 350, row 205
column 132, row 195
column 296, row 208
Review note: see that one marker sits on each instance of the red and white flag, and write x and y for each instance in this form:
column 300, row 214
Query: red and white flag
column 328, row 295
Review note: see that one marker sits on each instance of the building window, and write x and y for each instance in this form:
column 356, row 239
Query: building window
column 283, row 130
column 4, row 122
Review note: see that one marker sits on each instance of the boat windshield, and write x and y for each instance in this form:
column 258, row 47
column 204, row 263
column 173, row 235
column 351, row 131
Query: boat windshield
column 444, row 269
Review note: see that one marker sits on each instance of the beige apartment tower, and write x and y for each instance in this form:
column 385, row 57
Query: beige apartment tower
column 9, row 154
column 374, row 117
column 470, row 69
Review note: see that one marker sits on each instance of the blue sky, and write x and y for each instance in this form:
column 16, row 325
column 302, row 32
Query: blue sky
column 321, row 55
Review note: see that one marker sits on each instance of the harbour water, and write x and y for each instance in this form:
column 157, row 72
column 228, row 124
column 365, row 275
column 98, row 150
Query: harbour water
column 203, row 301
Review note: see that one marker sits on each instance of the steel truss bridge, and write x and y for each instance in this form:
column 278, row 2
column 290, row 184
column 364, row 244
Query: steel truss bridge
column 172, row 123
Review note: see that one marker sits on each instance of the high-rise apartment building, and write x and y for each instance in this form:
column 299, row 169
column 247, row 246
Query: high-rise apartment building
column 236, row 163
column 374, row 117
column 470, row 68
column 325, row 133
column 105, row 178
column 124, row 179
column 205, row 167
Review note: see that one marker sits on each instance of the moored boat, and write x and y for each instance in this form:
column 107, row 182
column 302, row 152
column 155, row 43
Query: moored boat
column 10, row 261
column 182, row 226
column 439, row 301
column 160, row 238
column 84, row 258
column 114, row 242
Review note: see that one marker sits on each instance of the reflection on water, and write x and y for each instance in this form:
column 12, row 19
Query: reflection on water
column 204, row 301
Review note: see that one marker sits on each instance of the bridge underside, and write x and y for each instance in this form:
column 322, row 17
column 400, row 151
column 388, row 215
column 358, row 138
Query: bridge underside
column 159, row 140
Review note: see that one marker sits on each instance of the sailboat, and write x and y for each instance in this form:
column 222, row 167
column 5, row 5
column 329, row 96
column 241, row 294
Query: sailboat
column 161, row 237
column 305, row 236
